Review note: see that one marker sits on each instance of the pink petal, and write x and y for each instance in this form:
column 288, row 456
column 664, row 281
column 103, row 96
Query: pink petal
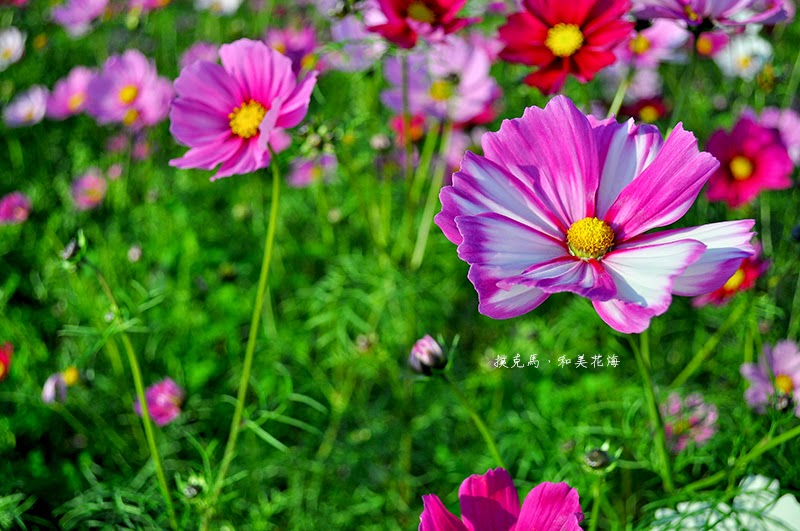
column 210, row 85
column 489, row 502
column 208, row 156
column 247, row 159
column 294, row 109
column 551, row 507
column 435, row 517
column 587, row 278
column 625, row 317
column 193, row 123
column 503, row 302
column 263, row 73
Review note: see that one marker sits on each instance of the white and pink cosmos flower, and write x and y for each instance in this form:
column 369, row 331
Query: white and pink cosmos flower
column 70, row 94
column 564, row 202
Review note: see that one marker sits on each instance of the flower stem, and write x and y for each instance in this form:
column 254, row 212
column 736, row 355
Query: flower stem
column 652, row 408
column 794, row 82
column 619, row 97
column 476, row 418
column 596, row 494
column 686, row 80
column 236, row 422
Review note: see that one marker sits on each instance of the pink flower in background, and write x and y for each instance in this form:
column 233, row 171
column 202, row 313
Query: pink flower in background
column 361, row 48
column 145, row 6
column 70, row 93
column 652, row 46
column 688, row 420
column 89, row 190
column 14, row 208
column 304, row 172
column 407, row 20
column 775, row 380
column 723, row 12
column 129, row 90
column 426, row 355
column 752, row 159
column 164, row 401
column 199, row 51
column 76, row 16
column 27, row 108
column 787, row 122
column 6, row 351
column 564, row 202
column 298, row 44
column 710, row 43
column 12, row 46
column 232, row 114
column 743, row 279
column 491, row 501
column 55, row 387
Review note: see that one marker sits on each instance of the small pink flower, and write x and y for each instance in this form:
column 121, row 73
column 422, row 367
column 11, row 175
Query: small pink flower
column 304, row 172
column 76, row 16
column 688, row 420
column 775, row 380
column 787, row 122
column 426, row 355
column 298, row 44
column 14, row 208
column 652, row 46
column 69, row 94
column 199, row 51
column 491, row 501
column 164, row 401
column 27, row 108
column 89, row 190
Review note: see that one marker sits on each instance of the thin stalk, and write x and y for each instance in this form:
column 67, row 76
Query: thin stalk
column 619, row 97
column 652, row 408
column 236, row 422
column 684, row 87
column 596, row 495
column 792, row 85
column 701, row 355
column 794, row 312
column 476, row 418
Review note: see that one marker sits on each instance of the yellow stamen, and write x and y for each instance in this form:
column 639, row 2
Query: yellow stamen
column 741, row 168
column 736, row 281
column 784, row 383
column 441, row 90
column 6, row 53
column 71, row 376
column 421, row 13
column 75, row 101
column 131, row 115
column 649, row 114
column 128, row 94
column 279, row 47
column 639, row 44
column 691, row 14
column 564, row 39
column 308, row 61
column 590, row 238
column 745, row 62
column 704, row 45
column 245, row 119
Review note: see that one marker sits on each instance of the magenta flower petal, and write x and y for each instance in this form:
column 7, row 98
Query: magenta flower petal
column 435, row 517
column 625, row 317
column 587, row 278
column 551, row 507
column 209, row 155
column 263, row 73
column 294, row 109
column 489, row 502
column 209, row 84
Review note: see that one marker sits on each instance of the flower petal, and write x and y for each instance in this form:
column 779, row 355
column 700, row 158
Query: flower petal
column 551, row 507
column 489, row 502
column 435, row 517
column 625, row 317
column 294, row 109
column 587, row 278
column 262, row 72
column 209, row 84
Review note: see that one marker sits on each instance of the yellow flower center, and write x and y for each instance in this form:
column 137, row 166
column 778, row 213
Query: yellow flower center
column 422, row 13
column 246, row 118
column 639, row 44
column 70, row 376
column 704, row 45
column 590, row 238
column 649, row 114
column 691, row 14
column 681, row 427
column 741, row 168
column 745, row 62
column 308, row 61
column 564, row 39
column 441, row 90
column 6, row 53
column 2, row 370
column 75, row 101
column 131, row 115
column 279, row 47
column 784, row 384
column 128, row 94
column 736, row 281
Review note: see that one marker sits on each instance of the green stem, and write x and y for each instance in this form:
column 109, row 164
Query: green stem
column 701, row 355
column 430, row 204
column 236, row 422
column 476, row 418
column 619, row 97
column 652, row 408
column 794, row 312
column 794, row 82
column 685, row 86
column 596, row 494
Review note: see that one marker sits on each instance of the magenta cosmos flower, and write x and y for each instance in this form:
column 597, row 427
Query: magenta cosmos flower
column 69, row 94
column 233, row 114
column 14, row 208
column 561, row 202
column 775, row 380
column 407, row 20
column 687, row 420
column 490, row 501
column 76, row 16
column 752, row 158
column 88, row 190
column 164, row 401
column 723, row 12
column 298, row 44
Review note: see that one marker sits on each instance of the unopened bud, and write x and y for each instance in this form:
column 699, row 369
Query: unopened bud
column 426, row 355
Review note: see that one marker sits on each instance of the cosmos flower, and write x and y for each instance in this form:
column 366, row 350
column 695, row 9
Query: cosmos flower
column 129, row 90
column 562, row 202
column 199, row 51
column 27, row 108
column 55, row 387
column 6, row 351
column 722, row 12
column 743, row 279
column 232, row 114
column 76, row 16
column 648, row 48
column 407, row 20
column 562, row 38
column 164, row 401
column 12, row 46
column 775, row 380
column 219, row 7
column 744, row 56
column 89, row 190
column 70, row 93
column 298, row 44
column 688, row 420
column 648, row 110
column 361, row 48
column 304, row 172
column 426, row 355
column 14, row 208
column 752, row 158
column 491, row 501
column 787, row 122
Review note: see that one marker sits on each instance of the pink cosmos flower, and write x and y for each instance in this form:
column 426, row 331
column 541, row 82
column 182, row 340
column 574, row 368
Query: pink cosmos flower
column 426, row 355
column 752, row 158
column 14, row 208
column 562, row 202
column 69, row 94
column 164, row 401
column 688, row 420
column 407, row 20
column 775, row 380
column 652, row 46
column 27, row 108
column 491, row 501
column 304, row 171
column 89, row 190
column 199, row 51
column 76, row 16
column 743, row 279
column 723, row 12
column 129, row 90
column 232, row 114
column 787, row 122
column 298, row 44
column 361, row 49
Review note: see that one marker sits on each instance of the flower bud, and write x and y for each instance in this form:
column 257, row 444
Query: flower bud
column 426, row 355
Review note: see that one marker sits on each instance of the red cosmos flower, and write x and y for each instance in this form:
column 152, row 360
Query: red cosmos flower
column 752, row 158
column 406, row 20
column 5, row 359
column 566, row 37
column 648, row 110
